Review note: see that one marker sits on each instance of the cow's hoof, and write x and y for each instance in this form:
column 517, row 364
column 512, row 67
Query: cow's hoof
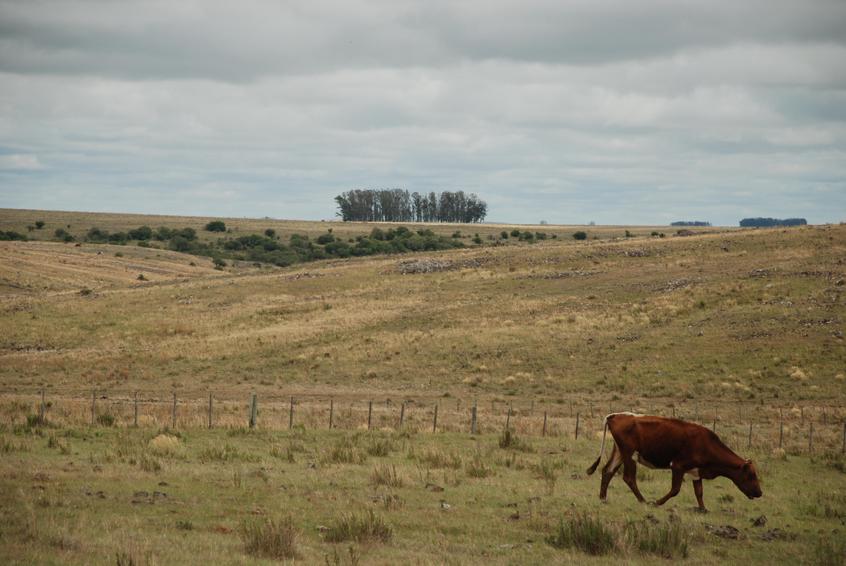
column 605, row 501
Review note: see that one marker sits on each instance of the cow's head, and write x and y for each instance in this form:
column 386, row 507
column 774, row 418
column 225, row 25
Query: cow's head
column 747, row 480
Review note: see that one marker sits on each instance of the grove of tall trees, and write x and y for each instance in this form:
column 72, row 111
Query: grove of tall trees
column 398, row 205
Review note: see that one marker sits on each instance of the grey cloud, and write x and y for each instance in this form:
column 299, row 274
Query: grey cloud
column 568, row 112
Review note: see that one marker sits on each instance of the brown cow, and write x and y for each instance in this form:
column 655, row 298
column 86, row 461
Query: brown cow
column 680, row 446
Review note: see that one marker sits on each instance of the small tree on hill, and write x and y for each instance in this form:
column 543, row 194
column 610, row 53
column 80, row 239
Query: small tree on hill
column 580, row 235
column 216, row 226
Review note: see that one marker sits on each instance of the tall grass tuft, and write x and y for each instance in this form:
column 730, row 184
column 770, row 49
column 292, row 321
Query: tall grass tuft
column 345, row 451
column 435, row 458
column 667, row 540
column 477, row 467
column 830, row 551
column 510, row 441
column 270, row 538
column 584, row 532
column 366, row 527
column 387, row 475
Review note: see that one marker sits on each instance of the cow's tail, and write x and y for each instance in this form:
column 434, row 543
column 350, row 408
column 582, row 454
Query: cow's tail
column 601, row 449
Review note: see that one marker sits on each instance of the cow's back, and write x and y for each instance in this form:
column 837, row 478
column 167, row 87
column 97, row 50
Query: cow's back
column 654, row 441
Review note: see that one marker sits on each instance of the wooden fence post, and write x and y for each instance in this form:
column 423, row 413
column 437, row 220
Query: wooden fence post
column 41, row 409
column 174, row 411
column 253, row 410
column 508, row 417
column 93, row 407
column 544, row 424
column 811, row 438
column 291, row 414
column 473, row 419
column 749, row 438
column 674, row 411
column 577, row 426
column 802, row 415
column 369, row 413
column 331, row 412
column 135, row 412
column 402, row 413
column 714, row 428
column 435, row 420
column 780, row 428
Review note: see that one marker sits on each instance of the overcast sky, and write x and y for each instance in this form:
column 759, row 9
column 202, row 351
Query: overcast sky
column 608, row 111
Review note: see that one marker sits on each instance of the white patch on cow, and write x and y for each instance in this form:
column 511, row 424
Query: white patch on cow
column 641, row 460
column 694, row 473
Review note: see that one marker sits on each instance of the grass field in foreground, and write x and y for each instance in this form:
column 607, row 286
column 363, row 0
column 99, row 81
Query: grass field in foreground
column 94, row 495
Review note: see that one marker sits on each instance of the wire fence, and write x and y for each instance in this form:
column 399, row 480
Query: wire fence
column 796, row 428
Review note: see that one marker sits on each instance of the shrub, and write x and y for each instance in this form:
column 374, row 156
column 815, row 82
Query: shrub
column 367, row 527
column 62, row 234
column 324, row 239
column 12, row 235
column 477, row 239
column 584, row 532
column 219, row 263
column 270, row 538
column 142, row 233
column 270, row 233
column 141, row 277
column 39, row 224
column 580, row 235
column 667, row 540
column 503, row 235
column 515, row 233
column 216, row 226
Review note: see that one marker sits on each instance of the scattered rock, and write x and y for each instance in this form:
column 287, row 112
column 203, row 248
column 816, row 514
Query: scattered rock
column 636, row 253
column 302, row 275
column 445, row 506
column 412, row 266
column 776, row 534
column 724, row 531
column 514, row 516
column 759, row 521
column 560, row 274
column 322, row 528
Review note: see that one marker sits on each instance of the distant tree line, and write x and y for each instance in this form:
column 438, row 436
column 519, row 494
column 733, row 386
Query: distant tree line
column 767, row 222
column 398, row 205
column 690, row 223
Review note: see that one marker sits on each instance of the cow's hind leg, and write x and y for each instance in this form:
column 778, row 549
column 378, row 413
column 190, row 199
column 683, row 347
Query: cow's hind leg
column 630, row 476
column 678, row 476
column 611, row 467
column 697, row 489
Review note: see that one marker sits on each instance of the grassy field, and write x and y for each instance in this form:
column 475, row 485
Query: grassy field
column 745, row 323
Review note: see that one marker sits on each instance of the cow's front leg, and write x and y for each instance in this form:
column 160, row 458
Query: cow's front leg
column 697, row 489
column 678, row 476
